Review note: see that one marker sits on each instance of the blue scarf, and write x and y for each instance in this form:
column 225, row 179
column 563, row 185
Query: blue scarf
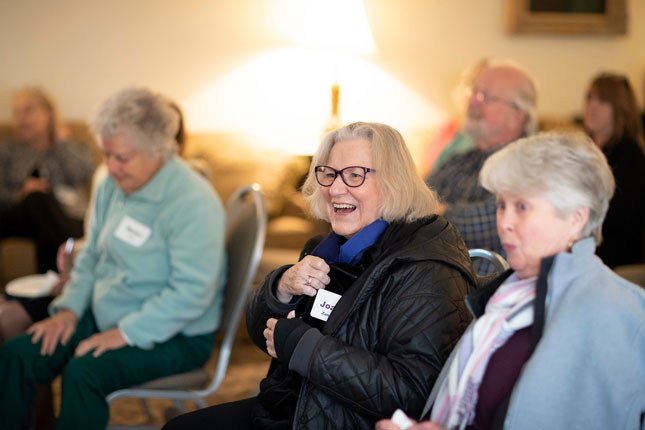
column 334, row 248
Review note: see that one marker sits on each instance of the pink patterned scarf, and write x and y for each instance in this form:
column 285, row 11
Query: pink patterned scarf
column 508, row 310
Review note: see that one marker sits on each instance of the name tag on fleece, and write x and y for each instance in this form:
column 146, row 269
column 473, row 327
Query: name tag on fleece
column 324, row 304
column 132, row 231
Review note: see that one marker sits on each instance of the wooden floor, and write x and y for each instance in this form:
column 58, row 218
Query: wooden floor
column 247, row 367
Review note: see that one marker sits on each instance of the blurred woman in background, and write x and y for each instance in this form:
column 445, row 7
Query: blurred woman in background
column 44, row 185
column 611, row 118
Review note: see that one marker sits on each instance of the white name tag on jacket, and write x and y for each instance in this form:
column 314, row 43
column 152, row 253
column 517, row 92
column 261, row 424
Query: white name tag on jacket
column 324, row 304
column 132, row 231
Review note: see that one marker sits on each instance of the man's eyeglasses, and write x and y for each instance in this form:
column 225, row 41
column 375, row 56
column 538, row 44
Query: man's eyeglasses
column 485, row 98
column 352, row 176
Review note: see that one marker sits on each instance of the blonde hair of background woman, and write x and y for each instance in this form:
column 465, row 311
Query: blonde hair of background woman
column 405, row 197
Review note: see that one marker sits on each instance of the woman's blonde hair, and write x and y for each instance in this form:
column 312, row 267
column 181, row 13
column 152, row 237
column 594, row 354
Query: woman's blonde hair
column 405, row 197
column 46, row 101
column 567, row 169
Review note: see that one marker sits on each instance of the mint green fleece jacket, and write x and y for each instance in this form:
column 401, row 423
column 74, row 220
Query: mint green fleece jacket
column 154, row 264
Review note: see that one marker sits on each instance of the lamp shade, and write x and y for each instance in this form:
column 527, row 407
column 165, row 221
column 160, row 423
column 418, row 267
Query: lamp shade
column 338, row 26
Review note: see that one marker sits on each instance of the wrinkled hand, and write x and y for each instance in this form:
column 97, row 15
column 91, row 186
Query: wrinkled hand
column 423, row 425
column 101, row 342
column 32, row 185
column 64, row 263
column 268, row 333
column 60, row 283
column 58, row 328
column 304, row 278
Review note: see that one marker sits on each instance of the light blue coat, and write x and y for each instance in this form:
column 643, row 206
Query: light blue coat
column 588, row 369
column 155, row 263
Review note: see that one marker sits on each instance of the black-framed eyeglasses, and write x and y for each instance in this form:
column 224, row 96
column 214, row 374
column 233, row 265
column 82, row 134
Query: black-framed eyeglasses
column 485, row 98
column 352, row 176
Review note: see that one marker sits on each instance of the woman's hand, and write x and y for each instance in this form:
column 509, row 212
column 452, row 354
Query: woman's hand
column 423, row 425
column 268, row 333
column 101, row 342
column 59, row 327
column 304, row 278
column 32, row 185
column 64, row 262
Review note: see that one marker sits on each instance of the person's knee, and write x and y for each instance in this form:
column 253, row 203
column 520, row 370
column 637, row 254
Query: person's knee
column 14, row 320
column 20, row 346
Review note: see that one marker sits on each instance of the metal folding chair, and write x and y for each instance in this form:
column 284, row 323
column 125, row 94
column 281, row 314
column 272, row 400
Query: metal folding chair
column 246, row 220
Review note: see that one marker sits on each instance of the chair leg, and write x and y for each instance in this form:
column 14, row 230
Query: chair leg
column 179, row 405
column 201, row 404
column 146, row 409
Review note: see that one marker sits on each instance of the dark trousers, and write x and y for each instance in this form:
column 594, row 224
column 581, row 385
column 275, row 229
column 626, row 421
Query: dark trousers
column 40, row 217
column 233, row 415
column 87, row 380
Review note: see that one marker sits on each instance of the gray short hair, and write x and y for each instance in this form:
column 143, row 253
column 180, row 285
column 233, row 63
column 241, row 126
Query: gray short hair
column 568, row 169
column 146, row 118
column 405, row 196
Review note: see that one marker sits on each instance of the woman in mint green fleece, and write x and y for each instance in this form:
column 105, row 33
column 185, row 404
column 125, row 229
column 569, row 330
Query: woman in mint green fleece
column 145, row 294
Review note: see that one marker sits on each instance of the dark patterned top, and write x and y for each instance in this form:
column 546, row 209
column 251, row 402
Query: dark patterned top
column 67, row 166
column 470, row 207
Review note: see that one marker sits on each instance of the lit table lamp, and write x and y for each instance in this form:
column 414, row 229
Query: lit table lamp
column 336, row 28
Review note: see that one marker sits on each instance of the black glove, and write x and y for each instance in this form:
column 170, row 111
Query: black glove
column 286, row 335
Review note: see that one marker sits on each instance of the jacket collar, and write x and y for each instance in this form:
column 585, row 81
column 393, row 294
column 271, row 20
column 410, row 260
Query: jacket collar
column 564, row 266
column 155, row 188
column 428, row 239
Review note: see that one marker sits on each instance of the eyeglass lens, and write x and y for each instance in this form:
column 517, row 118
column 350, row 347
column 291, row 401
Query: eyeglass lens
column 352, row 176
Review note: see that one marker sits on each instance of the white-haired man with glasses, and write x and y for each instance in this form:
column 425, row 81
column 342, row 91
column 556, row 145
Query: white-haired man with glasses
column 501, row 109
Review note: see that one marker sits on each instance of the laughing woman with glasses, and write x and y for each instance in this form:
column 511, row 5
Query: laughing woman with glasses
column 364, row 321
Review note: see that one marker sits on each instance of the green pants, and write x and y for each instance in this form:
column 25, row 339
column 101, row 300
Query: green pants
column 87, row 380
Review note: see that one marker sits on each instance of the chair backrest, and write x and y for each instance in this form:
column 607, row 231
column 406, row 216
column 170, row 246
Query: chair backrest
column 246, row 220
column 493, row 259
column 500, row 264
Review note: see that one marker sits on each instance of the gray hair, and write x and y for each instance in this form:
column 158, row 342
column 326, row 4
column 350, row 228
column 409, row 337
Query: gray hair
column 567, row 169
column 405, row 196
column 146, row 118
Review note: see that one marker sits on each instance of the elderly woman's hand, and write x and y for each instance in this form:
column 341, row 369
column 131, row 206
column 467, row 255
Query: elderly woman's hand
column 59, row 327
column 32, row 185
column 101, row 342
column 423, row 425
column 304, row 278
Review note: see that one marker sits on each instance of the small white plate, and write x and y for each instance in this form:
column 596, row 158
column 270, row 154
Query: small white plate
column 32, row 285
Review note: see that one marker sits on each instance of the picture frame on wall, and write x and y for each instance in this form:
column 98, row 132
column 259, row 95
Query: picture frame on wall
column 608, row 17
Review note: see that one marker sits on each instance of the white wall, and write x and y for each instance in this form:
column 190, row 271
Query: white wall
column 222, row 60
column 428, row 43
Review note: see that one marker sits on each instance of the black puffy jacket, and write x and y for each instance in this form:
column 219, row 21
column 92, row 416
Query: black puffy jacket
column 387, row 338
